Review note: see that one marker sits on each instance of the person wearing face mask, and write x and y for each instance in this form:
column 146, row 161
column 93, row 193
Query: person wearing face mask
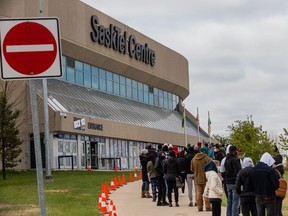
column 247, row 198
column 263, row 181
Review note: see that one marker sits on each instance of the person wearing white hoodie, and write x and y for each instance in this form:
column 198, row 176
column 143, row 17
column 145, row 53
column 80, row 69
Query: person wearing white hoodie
column 213, row 189
column 263, row 181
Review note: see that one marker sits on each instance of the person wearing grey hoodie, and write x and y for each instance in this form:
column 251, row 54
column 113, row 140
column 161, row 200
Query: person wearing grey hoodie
column 263, row 181
column 247, row 198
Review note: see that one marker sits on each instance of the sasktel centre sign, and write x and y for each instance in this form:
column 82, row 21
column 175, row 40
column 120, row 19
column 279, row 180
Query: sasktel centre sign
column 111, row 37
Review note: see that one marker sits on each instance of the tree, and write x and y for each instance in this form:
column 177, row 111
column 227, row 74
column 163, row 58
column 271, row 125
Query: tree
column 251, row 141
column 9, row 132
column 283, row 140
column 221, row 139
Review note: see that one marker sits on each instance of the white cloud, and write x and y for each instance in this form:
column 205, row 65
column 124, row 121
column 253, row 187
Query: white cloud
column 237, row 52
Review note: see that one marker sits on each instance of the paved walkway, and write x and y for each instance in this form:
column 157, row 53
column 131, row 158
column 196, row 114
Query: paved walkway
column 128, row 203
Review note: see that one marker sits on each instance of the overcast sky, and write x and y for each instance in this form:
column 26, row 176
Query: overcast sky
column 237, row 52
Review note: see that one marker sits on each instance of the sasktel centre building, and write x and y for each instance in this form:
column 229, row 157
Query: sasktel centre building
column 119, row 91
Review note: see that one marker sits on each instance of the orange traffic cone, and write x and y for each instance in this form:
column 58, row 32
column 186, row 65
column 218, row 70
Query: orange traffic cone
column 89, row 167
column 140, row 175
column 135, row 176
column 123, row 180
column 104, row 208
column 115, row 168
column 130, row 177
column 112, row 185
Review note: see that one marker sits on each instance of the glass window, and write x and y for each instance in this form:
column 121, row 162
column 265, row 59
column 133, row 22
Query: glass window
column 95, row 71
column 165, row 94
column 71, row 75
column 87, row 80
column 122, row 80
column 102, row 73
column 165, row 103
column 170, row 96
column 123, row 90
column 170, row 105
column 140, row 96
column 79, row 77
column 116, row 87
column 109, row 75
column 161, row 102
column 70, row 63
column 116, row 78
column 134, row 93
column 87, row 68
column 151, row 99
column 129, row 92
column 78, row 65
column 102, row 84
column 161, row 93
column 128, row 82
column 156, row 100
column 95, row 82
column 145, row 88
column 146, row 97
column 134, row 84
column 156, row 91
column 140, row 86
column 109, row 86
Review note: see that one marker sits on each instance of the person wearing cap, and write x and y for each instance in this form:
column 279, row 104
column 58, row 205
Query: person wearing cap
column 263, row 181
column 232, row 167
column 197, row 166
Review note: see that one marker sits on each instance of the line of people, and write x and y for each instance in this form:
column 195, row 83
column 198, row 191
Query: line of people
column 212, row 170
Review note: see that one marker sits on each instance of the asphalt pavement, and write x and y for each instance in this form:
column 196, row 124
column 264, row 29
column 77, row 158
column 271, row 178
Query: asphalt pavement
column 128, row 202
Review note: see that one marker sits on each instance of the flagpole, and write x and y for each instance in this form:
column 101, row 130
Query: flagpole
column 209, row 126
column 198, row 125
column 185, row 135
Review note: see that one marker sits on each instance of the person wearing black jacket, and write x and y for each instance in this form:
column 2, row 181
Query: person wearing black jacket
column 160, row 179
column 144, row 158
column 171, row 170
column 232, row 167
column 263, row 181
column 247, row 198
column 279, row 167
column 189, row 178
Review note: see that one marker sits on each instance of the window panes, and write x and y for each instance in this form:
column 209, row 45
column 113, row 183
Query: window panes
column 79, row 77
column 79, row 65
column 70, row 75
column 99, row 79
column 109, row 86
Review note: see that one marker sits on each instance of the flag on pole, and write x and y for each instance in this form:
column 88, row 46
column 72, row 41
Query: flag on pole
column 209, row 123
column 183, row 119
column 197, row 118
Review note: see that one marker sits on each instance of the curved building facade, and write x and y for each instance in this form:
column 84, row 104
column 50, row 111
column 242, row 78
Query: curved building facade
column 119, row 91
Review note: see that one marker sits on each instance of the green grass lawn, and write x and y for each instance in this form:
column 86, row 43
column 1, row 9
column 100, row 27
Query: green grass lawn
column 71, row 193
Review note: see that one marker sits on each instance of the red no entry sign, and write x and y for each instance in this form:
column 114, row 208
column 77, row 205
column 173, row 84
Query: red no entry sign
column 30, row 48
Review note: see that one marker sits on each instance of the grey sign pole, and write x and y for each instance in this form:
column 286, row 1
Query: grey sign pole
column 36, row 134
column 46, row 120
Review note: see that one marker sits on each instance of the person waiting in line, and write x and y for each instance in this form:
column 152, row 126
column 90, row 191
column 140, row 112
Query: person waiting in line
column 189, row 177
column 232, row 167
column 218, row 155
column 183, row 168
column 263, row 181
column 197, row 166
column 247, row 198
column 213, row 189
column 152, row 175
column 144, row 158
column 160, row 179
column 280, row 171
column 171, row 170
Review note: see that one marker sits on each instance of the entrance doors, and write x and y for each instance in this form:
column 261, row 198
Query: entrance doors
column 90, row 150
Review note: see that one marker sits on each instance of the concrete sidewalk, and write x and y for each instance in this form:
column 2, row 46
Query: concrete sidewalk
column 128, row 203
